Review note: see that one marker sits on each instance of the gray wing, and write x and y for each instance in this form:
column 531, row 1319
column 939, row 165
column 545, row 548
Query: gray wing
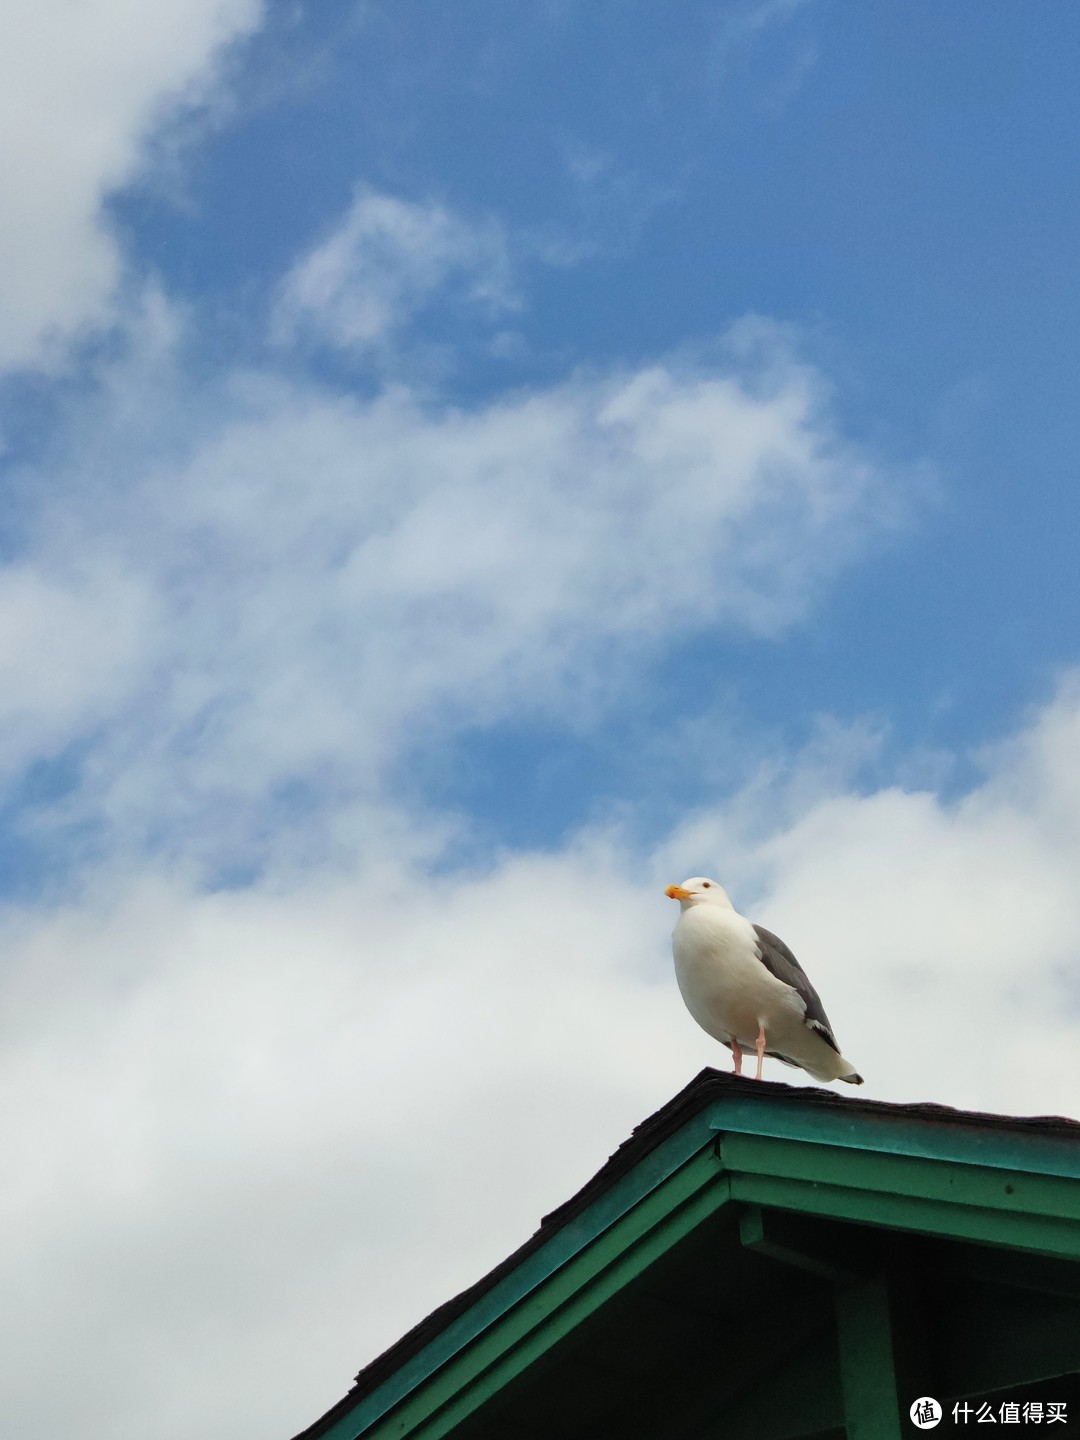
column 779, row 961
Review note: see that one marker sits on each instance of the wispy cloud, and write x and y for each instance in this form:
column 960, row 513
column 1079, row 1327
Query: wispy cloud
column 324, row 579
column 68, row 646
column 387, row 260
column 83, row 88
column 738, row 25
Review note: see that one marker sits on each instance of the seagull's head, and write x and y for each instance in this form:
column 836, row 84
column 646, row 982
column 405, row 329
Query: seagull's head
column 699, row 891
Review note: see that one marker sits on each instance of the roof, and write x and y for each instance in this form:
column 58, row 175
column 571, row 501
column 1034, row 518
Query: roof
column 1043, row 1145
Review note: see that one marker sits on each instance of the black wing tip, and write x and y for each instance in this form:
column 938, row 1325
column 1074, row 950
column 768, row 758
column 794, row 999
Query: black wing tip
column 826, row 1035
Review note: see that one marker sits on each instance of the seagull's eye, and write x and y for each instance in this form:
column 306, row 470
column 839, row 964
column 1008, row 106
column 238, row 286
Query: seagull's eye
column 706, row 884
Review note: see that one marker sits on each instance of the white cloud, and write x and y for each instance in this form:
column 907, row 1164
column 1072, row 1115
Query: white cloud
column 237, row 1119
column 739, row 25
column 328, row 580
column 81, row 89
column 67, row 653
column 387, row 260
column 209, row 1098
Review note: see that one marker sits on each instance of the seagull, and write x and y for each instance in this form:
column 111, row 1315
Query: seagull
column 744, row 987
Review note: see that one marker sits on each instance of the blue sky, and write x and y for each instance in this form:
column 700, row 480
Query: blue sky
column 893, row 184
column 464, row 468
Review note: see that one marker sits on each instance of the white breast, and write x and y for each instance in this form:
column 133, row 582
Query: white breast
column 727, row 989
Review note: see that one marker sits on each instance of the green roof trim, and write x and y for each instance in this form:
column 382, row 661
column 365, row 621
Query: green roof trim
column 1025, row 1211
column 933, row 1139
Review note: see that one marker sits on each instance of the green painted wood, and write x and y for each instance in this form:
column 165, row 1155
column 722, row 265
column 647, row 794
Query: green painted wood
column 568, row 1240
column 933, row 1139
column 1044, row 1236
column 821, row 1247
column 867, row 1369
column 553, row 1308
column 967, row 1185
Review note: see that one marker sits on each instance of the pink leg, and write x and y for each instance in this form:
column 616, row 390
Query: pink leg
column 737, row 1054
column 760, row 1045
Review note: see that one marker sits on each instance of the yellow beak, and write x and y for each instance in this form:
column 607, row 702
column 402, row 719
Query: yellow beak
column 676, row 892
